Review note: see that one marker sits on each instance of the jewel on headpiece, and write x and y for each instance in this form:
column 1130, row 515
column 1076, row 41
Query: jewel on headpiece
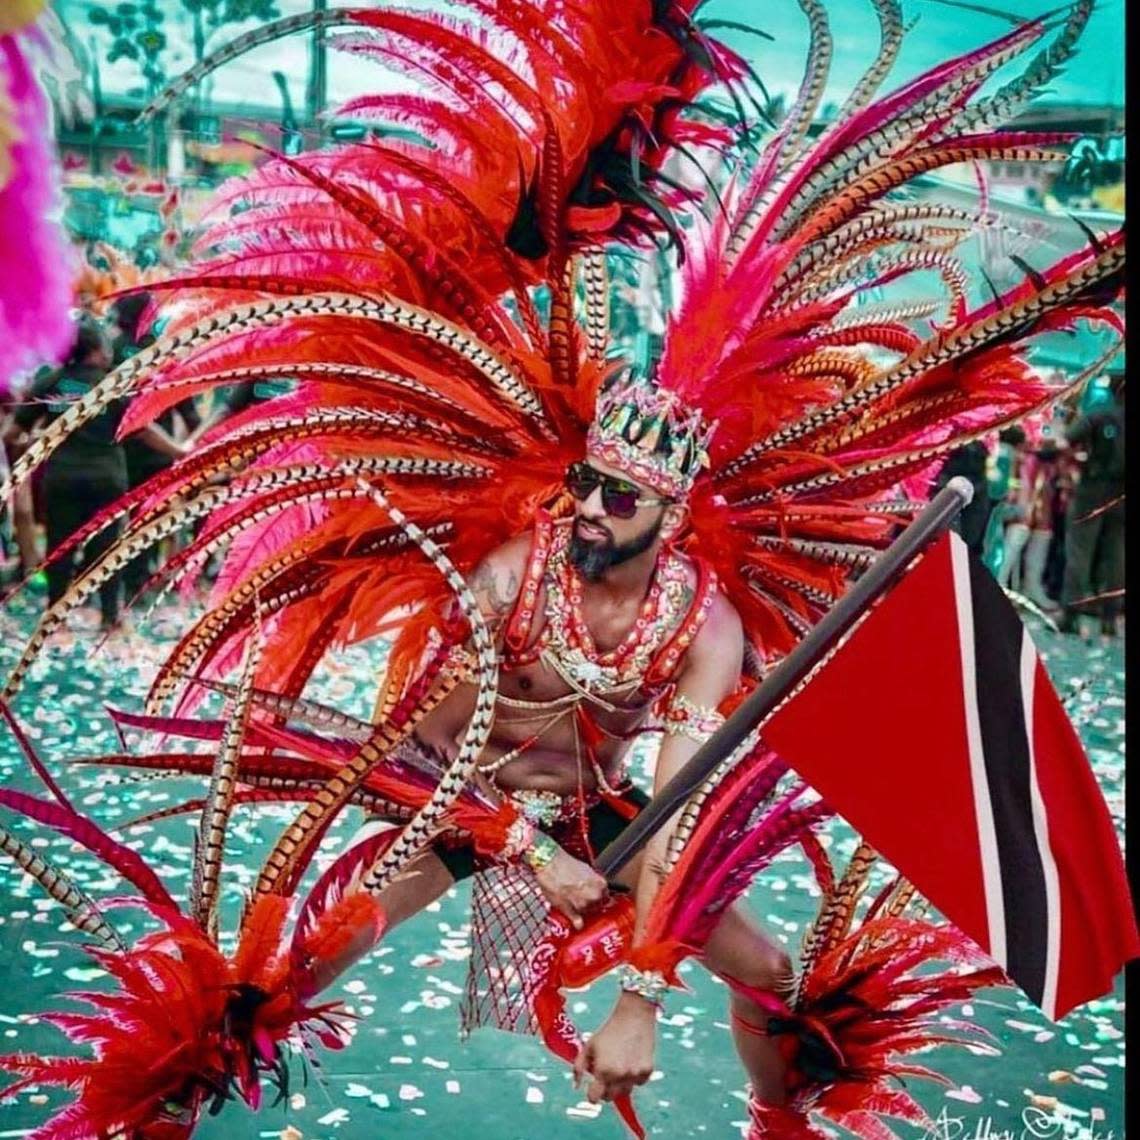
column 645, row 431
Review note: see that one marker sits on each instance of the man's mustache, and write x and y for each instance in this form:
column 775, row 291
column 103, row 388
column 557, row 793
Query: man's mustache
column 595, row 525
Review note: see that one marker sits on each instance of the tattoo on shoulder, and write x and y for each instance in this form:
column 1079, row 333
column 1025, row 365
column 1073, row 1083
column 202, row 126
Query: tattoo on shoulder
column 685, row 597
column 480, row 578
column 496, row 594
column 510, row 591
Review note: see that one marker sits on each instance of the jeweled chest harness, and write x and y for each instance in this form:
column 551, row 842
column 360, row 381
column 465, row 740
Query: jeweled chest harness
column 624, row 679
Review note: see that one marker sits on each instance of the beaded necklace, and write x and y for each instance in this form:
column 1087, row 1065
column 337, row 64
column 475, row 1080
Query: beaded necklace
column 567, row 647
column 567, row 643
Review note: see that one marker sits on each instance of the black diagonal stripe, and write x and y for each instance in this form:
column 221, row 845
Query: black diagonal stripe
column 998, row 634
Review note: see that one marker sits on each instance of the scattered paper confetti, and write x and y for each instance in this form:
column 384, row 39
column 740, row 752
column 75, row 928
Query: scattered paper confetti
column 407, row 990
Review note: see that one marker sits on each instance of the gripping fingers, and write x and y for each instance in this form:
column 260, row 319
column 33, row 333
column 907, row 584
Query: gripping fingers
column 610, row 1088
column 572, row 911
column 582, row 1064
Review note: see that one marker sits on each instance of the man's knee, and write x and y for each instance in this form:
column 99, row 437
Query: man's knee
column 774, row 970
column 741, row 951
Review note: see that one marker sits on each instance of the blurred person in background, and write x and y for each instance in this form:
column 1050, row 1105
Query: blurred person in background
column 1066, row 482
column 1041, row 476
column 1003, row 481
column 970, row 461
column 1094, row 541
column 88, row 471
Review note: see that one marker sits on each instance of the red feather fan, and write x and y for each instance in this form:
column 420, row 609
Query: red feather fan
column 867, row 1001
column 421, row 300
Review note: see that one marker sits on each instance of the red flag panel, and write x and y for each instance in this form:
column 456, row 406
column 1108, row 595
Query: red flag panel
column 1094, row 900
column 935, row 731
column 880, row 733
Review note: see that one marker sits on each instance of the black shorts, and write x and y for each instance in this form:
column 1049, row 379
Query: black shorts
column 603, row 825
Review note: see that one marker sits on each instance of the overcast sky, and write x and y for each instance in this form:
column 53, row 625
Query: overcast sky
column 1095, row 75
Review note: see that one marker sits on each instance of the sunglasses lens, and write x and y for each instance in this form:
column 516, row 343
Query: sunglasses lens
column 620, row 502
column 581, row 480
column 619, row 498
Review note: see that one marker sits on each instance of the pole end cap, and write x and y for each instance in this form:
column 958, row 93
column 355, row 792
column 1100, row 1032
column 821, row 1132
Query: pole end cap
column 963, row 488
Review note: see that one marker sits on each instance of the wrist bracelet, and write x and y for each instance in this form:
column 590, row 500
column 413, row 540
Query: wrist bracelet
column 648, row 984
column 541, row 851
column 520, row 835
column 525, row 843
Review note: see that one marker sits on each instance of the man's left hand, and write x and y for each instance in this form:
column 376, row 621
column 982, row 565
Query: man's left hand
column 619, row 1056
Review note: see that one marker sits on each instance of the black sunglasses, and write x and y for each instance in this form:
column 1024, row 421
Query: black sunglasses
column 620, row 498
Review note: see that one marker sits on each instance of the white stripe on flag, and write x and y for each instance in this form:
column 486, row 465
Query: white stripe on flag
column 1041, row 831
column 983, row 808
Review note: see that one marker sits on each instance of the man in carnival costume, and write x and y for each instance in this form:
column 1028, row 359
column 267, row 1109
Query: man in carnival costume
column 600, row 620
column 560, row 555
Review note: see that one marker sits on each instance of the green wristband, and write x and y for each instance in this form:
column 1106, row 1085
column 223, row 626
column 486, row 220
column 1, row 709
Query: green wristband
column 541, row 851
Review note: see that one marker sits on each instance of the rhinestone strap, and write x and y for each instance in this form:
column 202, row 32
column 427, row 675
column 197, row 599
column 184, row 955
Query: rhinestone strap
column 686, row 718
column 648, row 984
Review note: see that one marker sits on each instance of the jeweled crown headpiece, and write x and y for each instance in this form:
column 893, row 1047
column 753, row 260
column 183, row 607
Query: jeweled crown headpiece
column 647, row 431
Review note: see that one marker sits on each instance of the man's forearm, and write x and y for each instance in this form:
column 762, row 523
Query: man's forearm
column 676, row 751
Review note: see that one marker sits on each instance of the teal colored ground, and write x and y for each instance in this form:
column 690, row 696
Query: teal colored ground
column 407, row 1074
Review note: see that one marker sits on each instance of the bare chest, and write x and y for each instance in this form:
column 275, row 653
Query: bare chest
column 541, row 687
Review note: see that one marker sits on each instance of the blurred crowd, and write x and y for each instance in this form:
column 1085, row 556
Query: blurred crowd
column 1047, row 516
column 93, row 467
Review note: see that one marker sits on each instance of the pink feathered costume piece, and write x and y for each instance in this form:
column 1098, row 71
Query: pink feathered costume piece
column 35, row 287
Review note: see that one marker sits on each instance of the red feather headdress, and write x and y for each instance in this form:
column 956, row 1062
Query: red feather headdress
column 439, row 309
column 399, row 287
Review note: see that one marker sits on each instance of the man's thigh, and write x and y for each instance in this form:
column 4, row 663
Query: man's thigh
column 421, row 882
column 738, row 948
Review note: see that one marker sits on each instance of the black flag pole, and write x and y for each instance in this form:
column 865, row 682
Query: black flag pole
column 938, row 515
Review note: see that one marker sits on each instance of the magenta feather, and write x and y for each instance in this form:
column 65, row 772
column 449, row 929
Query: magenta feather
column 725, row 882
column 75, row 826
column 33, row 757
column 260, row 734
column 36, row 285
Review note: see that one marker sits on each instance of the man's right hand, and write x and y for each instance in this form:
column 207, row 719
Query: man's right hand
column 571, row 886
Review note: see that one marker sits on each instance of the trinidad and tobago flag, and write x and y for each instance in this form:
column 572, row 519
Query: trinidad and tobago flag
column 936, row 732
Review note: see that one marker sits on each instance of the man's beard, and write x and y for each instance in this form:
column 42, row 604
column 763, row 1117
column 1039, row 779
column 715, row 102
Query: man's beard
column 593, row 559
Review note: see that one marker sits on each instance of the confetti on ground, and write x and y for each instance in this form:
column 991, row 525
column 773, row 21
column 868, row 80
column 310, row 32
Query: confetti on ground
column 407, row 1074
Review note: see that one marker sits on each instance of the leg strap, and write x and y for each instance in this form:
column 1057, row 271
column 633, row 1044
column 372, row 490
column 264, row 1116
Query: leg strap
column 755, row 1028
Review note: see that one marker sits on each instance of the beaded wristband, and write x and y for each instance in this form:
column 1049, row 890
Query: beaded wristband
column 526, row 844
column 541, row 851
column 648, row 984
